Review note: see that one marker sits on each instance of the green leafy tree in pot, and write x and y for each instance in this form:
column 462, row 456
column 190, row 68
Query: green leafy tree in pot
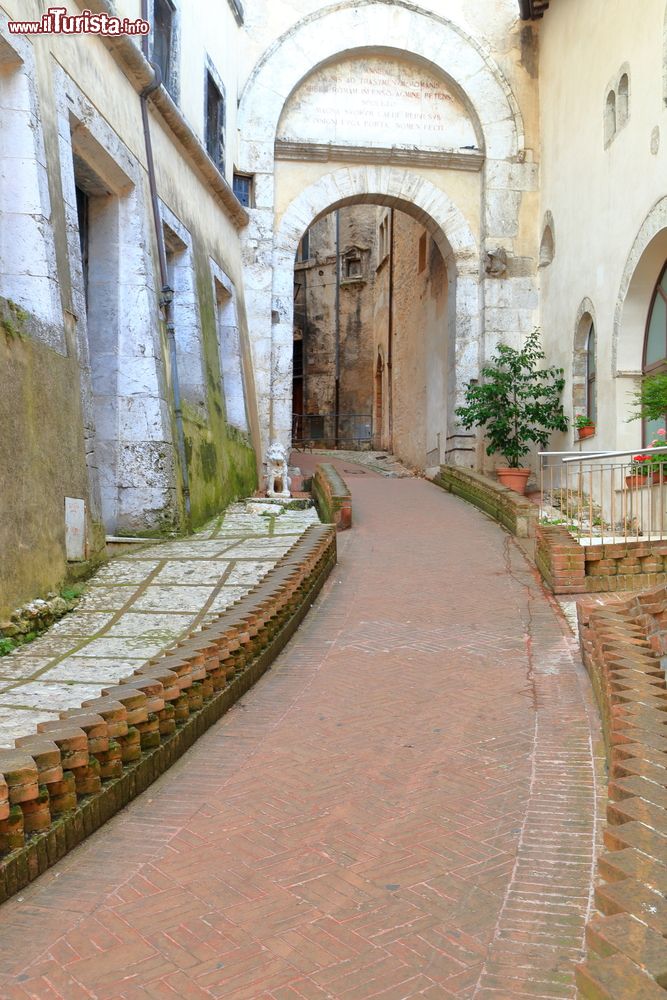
column 651, row 399
column 516, row 402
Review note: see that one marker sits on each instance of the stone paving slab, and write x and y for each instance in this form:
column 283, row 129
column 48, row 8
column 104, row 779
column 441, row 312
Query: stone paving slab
column 407, row 804
column 136, row 606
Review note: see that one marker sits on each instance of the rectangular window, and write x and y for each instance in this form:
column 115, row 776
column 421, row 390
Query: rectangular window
column 243, row 189
column 82, row 211
column 185, row 311
column 383, row 240
column 231, row 359
column 422, row 252
column 297, row 364
column 215, row 123
column 303, row 250
column 163, row 38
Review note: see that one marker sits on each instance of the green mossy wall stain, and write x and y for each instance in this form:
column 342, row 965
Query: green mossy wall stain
column 221, row 461
column 208, row 458
column 42, row 457
column 12, row 319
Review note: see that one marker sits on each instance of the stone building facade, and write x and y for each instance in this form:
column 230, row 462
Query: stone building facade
column 405, row 107
column 126, row 383
column 603, row 205
column 512, row 147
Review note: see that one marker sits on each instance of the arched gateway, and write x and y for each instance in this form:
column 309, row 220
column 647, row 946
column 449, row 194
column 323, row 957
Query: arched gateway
column 377, row 102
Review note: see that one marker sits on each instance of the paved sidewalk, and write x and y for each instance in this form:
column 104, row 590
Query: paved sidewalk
column 404, row 806
column 136, row 606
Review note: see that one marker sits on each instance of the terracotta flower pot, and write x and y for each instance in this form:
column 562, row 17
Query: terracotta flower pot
column 636, row 481
column 586, row 432
column 515, row 479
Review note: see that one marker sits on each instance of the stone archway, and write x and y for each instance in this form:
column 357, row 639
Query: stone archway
column 376, row 24
column 417, row 197
column 645, row 261
column 500, row 174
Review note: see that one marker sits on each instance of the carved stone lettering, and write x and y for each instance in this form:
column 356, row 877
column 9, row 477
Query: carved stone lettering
column 375, row 102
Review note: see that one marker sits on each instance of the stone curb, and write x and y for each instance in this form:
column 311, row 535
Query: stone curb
column 624, row 649
column 63, row 783
column 332, row 496
column 515, row 512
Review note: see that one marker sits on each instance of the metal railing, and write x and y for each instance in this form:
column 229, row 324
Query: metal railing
column 601, row 497
column 332, row 430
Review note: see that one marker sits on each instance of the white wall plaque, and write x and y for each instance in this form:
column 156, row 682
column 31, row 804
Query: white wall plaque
column 75, row 529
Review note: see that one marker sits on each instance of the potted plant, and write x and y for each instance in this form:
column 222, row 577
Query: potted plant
column 518, row 404
column 649, row 470
column 639, row 470
column 651, row 398
column 585, row 426
column 659, row 462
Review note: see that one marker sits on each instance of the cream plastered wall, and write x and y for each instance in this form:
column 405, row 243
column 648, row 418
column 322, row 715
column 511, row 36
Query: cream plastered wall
column 420, row 345
column 488, row 59
column 607, row 199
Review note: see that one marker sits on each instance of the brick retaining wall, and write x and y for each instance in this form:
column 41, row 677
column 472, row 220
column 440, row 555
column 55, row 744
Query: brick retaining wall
column 560, row 559
column 623, row 647
column 332, row 496
column 570, row 568
column 518, row 514
column 62, row 783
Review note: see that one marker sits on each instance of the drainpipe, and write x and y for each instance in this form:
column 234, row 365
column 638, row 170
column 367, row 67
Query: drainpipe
column 390, row 334
column 337, row 385
column 304, row 348
column 166, row 292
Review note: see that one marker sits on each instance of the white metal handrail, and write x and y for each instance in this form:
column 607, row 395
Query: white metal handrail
column 583, row 456
column 606, row 496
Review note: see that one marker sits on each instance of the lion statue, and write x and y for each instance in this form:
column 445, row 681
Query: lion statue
column 277, row 480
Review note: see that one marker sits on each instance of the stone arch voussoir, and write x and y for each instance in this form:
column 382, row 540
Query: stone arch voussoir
column 393, row 187
column 644, row 262
column 376, row 24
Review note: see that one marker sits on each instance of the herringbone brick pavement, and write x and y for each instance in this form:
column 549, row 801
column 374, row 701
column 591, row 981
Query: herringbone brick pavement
column 404, row 806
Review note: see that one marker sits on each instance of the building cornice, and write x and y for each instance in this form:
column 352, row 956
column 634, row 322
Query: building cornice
column 140, row 73
column 323, row 152
column 533, row 10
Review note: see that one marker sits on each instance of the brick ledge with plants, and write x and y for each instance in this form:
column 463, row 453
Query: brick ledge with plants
column 624, row 644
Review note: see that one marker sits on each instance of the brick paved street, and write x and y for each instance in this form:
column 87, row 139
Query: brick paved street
column 403, row 806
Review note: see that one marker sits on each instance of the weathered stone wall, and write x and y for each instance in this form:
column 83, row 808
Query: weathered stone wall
column 42, row 457
column 86, row 381
column 316, row 318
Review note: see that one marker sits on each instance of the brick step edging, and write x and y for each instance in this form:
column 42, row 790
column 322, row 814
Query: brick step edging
column 272, row 612
column 332, row 496
column 623, row 648
column 514, row 511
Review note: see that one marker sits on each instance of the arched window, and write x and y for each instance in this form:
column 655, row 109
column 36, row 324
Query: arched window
column 547, row 246
column 610, row 117
column 655, row 344
column 623, row 102
column 591, row 388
